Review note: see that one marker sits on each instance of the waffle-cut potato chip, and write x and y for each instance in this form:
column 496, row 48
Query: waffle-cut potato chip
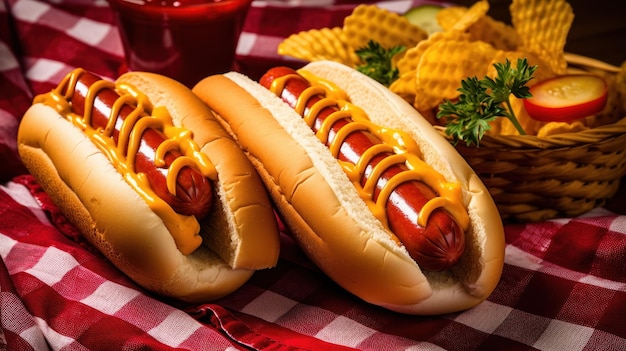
column 556, row 60
column 499, row 34
column 553, row 128
column 319, row 44
column 542, row 26
column 447, row 17
column 479, row 25
column 410, row 60
column 405, row 86
column 477, row 11
column 444, row 65
column 389, row 29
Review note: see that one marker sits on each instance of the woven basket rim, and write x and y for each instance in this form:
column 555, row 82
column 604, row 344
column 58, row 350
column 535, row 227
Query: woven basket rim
column 587, row 136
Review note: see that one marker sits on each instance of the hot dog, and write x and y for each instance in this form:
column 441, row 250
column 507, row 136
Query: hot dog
column 322, row 179
column 438, row 243
column 143, row 169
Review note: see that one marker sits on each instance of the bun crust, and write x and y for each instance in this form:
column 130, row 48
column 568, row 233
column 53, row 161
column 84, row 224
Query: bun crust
column 330, row 221
column 115, row 219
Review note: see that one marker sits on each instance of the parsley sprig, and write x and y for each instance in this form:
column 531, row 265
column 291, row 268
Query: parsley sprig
column 482, row 101
column 377, row 62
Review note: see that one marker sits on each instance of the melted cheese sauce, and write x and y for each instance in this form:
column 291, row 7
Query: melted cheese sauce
column 184, row 229
column 405, row 150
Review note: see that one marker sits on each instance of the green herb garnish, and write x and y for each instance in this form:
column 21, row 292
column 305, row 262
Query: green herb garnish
column 377, row 62
column 482, row 101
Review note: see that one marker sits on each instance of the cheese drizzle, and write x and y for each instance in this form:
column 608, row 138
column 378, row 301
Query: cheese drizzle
column 184, row 229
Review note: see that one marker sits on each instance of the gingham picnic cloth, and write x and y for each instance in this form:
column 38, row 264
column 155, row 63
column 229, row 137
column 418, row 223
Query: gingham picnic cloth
column 563, row 285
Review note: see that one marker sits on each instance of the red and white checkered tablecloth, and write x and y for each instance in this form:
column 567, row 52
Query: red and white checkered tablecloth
column 563, row 285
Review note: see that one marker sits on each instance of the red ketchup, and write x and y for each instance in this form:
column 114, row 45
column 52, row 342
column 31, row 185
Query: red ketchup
column 186, row 40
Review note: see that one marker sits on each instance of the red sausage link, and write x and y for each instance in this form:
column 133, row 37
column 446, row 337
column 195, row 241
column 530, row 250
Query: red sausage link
column 436, row 247
column 194, row 192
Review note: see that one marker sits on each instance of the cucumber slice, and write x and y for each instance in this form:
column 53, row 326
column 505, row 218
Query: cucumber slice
column 425, row 17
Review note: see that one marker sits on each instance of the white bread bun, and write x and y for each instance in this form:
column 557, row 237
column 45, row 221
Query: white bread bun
column 239, row 237
column 325, row 213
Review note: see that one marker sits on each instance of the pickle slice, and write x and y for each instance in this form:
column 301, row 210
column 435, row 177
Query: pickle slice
column 425, row 17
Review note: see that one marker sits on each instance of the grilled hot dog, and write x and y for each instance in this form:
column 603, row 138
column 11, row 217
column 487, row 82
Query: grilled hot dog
column 144, row 170
column 359, row 160
column 435, row 245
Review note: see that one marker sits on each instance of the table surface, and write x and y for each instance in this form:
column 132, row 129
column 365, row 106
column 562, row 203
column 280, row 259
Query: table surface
column 563, row 285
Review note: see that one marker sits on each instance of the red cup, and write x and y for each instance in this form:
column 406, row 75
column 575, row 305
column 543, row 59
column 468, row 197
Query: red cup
column 186, row 39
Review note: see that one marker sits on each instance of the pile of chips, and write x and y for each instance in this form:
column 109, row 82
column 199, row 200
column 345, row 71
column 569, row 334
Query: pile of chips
column 470, row 43
column 365, row 23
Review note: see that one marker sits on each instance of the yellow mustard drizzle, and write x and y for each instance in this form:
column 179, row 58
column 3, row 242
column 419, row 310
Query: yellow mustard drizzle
column 184, row 229
column 404, row 149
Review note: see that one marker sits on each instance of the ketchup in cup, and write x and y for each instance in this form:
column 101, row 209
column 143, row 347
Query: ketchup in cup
column 184, row 39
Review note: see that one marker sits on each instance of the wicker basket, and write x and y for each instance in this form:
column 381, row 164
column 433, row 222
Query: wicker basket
column 563, row 175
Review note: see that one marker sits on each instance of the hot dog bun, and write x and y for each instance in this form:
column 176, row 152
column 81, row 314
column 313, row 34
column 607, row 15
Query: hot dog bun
column 239, row 237
column 326, row 215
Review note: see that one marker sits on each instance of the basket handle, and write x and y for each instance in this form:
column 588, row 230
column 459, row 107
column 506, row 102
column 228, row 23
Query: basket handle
column 590, row 62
